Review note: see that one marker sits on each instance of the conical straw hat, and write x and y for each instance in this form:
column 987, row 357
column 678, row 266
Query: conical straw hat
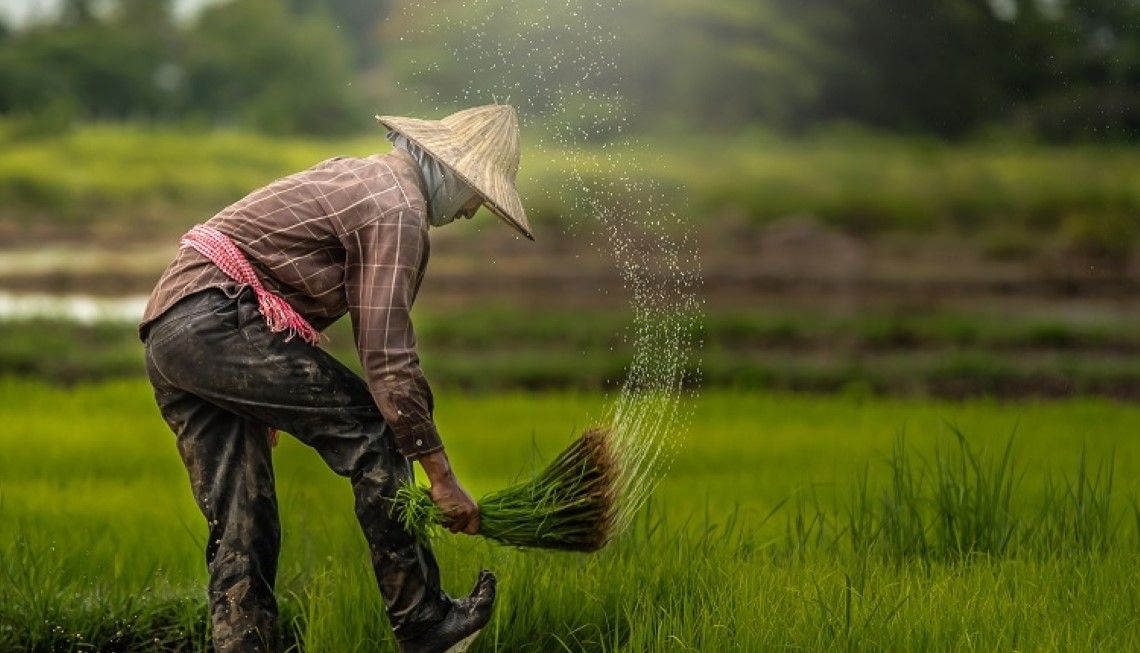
column 481, row 145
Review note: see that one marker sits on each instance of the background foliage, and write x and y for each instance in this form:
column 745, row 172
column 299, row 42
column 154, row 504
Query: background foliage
column 1046, row 68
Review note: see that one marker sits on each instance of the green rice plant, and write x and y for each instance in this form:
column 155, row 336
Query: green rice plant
column 960, row 505
column 52, row 590
column 570, row 505
column 902, row 522
column 957, row 505
column 808, row 527
column 101, row 541
column 1078, row 513
column 972, row 500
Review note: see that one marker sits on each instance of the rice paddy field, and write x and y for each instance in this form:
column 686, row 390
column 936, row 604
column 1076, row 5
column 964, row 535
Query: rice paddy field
column 787, row 522
column 927, row 497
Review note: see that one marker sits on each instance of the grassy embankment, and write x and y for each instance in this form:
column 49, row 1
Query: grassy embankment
column 764, row 535
column 950, row 355
column 133, row 180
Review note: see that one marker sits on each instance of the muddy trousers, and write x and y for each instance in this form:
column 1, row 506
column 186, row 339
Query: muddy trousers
column 221, row 378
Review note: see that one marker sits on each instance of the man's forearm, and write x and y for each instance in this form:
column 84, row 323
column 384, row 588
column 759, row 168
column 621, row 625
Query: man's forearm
column 436, row 466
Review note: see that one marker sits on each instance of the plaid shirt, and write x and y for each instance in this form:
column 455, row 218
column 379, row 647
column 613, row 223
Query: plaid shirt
column 348, row 235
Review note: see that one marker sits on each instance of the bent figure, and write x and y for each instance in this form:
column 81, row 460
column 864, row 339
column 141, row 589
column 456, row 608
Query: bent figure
column 230, row 333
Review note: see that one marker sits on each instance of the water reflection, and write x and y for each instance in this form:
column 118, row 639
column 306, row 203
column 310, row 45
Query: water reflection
column 79, row 308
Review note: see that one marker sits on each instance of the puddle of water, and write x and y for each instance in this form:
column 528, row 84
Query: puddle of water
column 85, row 309
column 145, row 258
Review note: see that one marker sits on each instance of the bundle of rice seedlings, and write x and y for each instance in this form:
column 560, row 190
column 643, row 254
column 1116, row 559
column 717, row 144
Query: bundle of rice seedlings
column 593, row 490
column 572, row 505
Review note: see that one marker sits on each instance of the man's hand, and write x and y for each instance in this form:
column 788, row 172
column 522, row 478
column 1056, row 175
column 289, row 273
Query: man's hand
column 460, row 512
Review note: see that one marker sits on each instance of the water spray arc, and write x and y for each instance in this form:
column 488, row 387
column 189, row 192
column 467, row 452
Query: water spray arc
column 593, row 490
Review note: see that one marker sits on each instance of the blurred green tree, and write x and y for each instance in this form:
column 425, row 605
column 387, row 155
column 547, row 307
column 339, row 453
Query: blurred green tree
column 922, row 66
column 717, row 63
column 77, row 12
column 950, row 66
column 720, row 64
column 1061, row 69
column 94, row 69
column 359, row 19
column 1084, row 81
column 89, row 67
column 253, row 62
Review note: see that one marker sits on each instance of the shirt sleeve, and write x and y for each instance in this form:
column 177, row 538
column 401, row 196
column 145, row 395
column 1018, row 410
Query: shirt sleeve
column 382, row 273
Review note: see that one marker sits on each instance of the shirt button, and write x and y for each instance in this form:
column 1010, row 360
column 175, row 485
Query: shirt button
column 419, row 443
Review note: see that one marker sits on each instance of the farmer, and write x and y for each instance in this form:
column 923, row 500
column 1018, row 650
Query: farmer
column 231, row 332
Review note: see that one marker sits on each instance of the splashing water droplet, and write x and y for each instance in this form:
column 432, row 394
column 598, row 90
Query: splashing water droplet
column 555, row 62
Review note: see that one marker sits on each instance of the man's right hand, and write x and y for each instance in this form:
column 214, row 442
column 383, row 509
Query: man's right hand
column 460, row 512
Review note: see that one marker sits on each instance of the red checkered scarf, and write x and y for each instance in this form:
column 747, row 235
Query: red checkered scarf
column 279, row 315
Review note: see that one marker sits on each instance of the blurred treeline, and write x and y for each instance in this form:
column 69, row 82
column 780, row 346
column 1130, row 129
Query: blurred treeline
column 1052, row 70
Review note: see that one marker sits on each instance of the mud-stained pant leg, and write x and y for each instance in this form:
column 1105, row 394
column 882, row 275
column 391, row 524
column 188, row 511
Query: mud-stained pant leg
column 231, row 475
column 231, row 359
column 406, row 570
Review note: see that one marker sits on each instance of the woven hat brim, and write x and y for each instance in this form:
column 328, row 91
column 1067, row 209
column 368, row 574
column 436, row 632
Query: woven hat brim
column 499, row 193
